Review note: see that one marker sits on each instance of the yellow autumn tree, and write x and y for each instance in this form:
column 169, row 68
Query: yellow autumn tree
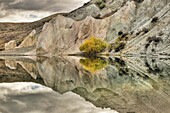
column 93, row 46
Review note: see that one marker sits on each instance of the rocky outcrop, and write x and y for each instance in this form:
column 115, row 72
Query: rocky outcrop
column 153, row 36
column 27, row 46
column 64, row 35
column 144, row 24
column 28, row 41
column 10, row 45
column 141, row 24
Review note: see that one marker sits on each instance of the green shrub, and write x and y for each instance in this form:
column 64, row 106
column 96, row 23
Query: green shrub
column 101, row 6
column 93, row 46
column 100, row 3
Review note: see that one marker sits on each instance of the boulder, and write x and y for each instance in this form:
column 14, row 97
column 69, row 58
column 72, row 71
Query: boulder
column 10, row 45
column 30, row 40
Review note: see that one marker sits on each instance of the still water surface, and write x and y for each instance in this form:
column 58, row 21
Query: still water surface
column 84, row 85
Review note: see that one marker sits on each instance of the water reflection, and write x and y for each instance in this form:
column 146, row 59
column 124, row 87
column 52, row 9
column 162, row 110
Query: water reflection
column 125, row 84
column 93, row 64
column 34, row 98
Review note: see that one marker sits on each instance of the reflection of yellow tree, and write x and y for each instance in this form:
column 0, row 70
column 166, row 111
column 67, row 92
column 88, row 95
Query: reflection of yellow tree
column 93, row 64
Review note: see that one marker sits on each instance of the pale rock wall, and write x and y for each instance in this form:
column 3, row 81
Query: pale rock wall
column 64, row 35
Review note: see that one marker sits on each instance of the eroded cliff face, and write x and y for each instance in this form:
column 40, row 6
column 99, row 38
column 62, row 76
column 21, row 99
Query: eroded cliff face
column 144, row 23
column 65, row 35
column 145, row 26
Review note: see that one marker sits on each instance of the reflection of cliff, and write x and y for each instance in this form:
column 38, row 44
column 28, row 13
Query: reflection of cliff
column 15, row 70
column 143, row 26
column 123, row 85
column 136, row 91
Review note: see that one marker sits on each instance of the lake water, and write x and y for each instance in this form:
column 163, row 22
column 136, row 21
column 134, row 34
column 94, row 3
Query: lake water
column 84, row 85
